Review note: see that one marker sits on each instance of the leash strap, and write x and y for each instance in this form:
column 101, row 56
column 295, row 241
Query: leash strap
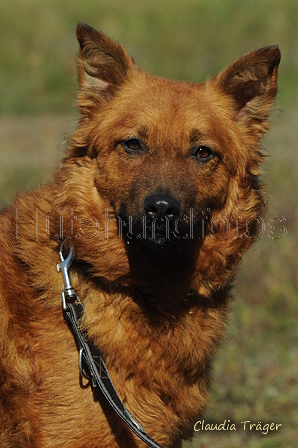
column 90, row 356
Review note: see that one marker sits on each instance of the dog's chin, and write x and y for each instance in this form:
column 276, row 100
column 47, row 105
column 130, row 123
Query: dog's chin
column 164, row 250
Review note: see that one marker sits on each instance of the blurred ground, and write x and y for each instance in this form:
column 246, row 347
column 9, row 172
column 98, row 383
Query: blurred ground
column 31, row 148
column 255, row 373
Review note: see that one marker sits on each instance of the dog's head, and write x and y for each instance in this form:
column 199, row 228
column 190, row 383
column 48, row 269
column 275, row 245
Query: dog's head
column 176, row 163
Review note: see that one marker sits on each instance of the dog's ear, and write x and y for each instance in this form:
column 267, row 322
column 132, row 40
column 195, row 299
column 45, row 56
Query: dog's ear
column 103, row 66
column 251, row 82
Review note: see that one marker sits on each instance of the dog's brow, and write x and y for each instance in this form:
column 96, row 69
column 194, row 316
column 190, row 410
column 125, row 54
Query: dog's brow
column 196, row 136
column 143, row 132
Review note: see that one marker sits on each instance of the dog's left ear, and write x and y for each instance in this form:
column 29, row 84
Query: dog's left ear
column 103, row 66
column 251, row 82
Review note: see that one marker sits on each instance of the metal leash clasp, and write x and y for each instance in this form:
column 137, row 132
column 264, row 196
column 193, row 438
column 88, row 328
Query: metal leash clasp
column 69, row 293
column 63, row 267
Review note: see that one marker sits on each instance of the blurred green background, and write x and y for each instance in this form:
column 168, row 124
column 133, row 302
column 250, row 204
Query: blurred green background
column 255, row 375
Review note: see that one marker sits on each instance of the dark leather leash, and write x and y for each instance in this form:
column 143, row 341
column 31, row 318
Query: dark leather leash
column 89, row 355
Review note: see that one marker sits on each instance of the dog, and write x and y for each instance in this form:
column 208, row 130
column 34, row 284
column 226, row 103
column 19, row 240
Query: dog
column 156, row 200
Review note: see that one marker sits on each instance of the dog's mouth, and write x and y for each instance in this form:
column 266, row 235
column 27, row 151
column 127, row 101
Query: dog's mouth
column 160, row 235
column 158, row 242
column 158, row 239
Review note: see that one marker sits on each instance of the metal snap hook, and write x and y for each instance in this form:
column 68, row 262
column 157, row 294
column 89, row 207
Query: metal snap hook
column 63, row 267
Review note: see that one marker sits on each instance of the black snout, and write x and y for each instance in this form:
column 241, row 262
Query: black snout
column 161, row 207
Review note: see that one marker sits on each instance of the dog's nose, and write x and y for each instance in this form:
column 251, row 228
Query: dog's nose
column 161, row 206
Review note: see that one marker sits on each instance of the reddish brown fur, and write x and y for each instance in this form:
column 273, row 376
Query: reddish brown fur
column 157, row 321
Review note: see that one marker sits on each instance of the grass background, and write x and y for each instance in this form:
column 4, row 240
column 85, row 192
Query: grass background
column 255, row 375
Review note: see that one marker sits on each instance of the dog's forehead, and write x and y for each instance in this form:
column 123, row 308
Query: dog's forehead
column 171, row 107
column 164, row 95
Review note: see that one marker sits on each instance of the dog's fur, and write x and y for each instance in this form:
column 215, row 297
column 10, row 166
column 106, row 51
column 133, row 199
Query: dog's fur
column 155, row 303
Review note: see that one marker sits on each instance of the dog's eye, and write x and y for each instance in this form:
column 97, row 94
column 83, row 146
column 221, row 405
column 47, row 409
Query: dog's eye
column 132, row 145
column 202, row 153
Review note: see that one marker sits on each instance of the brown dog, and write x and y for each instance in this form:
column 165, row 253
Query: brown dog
column 159, row 197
